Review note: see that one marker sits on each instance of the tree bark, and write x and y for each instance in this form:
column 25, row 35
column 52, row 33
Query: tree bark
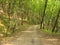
column 42, row 21
column 56, row 21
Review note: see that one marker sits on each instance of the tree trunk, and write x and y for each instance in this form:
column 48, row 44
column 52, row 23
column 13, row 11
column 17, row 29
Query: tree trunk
column 42, row 21
column 22, row 19
column 56, row 21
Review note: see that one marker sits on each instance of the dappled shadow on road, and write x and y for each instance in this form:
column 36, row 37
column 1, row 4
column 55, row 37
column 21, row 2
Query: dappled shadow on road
column 48, row 39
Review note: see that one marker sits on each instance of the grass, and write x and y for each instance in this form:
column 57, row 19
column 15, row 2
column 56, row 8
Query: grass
column 50, row 32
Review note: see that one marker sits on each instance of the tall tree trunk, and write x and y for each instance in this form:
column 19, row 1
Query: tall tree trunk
column 56, row 21
column 22, row 19
column 20, row 8
column 42, row 21
column 15, row 16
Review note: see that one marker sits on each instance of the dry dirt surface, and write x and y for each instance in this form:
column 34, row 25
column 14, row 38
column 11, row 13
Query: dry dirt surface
column 32, row 36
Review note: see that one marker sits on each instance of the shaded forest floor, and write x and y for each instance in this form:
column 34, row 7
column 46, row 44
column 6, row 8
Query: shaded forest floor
column 33, row 36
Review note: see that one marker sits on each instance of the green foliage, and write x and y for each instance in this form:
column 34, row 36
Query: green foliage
column 30, row 9
column 50, row 32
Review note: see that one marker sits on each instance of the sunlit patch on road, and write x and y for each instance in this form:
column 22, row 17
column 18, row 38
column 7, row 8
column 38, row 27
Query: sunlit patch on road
column 7, row 44
column 28, row 31
column 52, row 39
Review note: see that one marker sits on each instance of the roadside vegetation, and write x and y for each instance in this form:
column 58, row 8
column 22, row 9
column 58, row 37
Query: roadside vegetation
column 16, row 15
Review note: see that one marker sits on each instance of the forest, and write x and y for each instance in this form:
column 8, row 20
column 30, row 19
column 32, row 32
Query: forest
column 30, row 20
column 17, row 15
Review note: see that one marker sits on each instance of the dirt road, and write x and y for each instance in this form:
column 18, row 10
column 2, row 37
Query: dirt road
column 31, row 36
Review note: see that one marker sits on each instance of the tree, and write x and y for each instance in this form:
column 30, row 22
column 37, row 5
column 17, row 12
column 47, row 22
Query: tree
column 56, row 21
column 42, row 21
